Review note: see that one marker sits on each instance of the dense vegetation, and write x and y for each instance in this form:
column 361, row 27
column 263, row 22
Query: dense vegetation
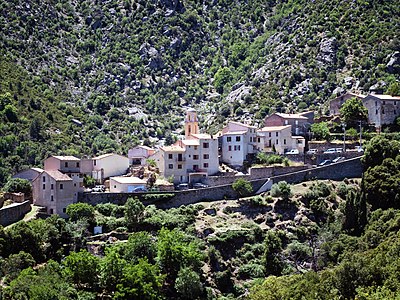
column 88, row 77
column 315, row 240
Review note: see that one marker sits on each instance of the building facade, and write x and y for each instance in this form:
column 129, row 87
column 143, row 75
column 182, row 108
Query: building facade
column 336, row 103
column 300, row 123
column 237, row 142
column 382, row 109
column 190, row 159
column 126, row 184
column 139, row 154
column 279, row 139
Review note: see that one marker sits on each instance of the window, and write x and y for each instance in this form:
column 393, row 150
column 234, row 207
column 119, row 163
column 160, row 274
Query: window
column 115, row 186
column 74, row 184
column 51, row 198
column 170, row 166
column 169, row 156
column 284, row 141
column 180, row 157
column 376, row 111
column 77, row 165
column 206, row 145
column 383, row 103
column 238, row 139
column 44, row 186
column 195, row 157
column 52, row 186
column 238, row 147
column 180, row 167
column 44, row 178
column 195, row 167
column 258, row 140
column 205, row 165
column 195, row 147
column 269, row 134
column 229, row 139
column 276, row 134
column 66, row 164
column 61, row 186
column 234, row 148
column 64, row 210
column 206, row 156
column 94, row 162
column 383, row 111
column 277, row 142
column 51, row 211
column 229, row 148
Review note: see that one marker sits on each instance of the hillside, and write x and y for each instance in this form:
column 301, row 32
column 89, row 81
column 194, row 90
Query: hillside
column 125, row 69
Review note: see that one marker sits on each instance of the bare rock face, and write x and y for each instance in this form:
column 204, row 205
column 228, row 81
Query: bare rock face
column 327, row 51
column 152, row 55
column 172, row 6
column 393, row 66
column 239, row 91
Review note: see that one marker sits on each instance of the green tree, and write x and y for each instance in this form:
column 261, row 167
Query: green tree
column 82, row 268
column 242, row 187
column 281, row 189
column 134, row 213
column 378, row 149
column 353, row 111
column 139, row 245
column 79, row 211
column 18, row 185
column 320, row 131
column 188, row 284
column 272, row 256
column 221, row 78
column 111, row 269
column 15, row 263
column 355, row 214
column 140, row 281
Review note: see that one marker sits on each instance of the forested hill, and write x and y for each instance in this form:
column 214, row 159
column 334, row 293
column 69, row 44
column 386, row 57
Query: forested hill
column 126, row 68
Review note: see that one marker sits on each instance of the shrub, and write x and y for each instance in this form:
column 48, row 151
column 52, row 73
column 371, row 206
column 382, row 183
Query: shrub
column 281, row 189
column 243, row 187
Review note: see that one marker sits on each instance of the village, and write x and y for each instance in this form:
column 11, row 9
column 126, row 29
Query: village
column 197, row 157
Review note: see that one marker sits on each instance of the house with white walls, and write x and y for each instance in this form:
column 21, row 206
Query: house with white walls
column 139, row 154
column 278, row 139
column 125, row 184
column 237, row 142
column 190, row 159
column 104, row 166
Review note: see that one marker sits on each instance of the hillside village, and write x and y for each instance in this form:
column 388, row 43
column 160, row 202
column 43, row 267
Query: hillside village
column 192, row 159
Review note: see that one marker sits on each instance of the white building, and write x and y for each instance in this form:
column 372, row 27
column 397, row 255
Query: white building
column 382, row 109
column 105, row 166
column 139, row 154
column 280, row 139
column 237, row 142
column 126, row 184
column 191, row 159
column 54, row 191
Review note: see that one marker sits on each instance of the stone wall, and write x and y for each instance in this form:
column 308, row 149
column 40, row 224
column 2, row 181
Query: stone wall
column 346, row 169
column 14, row 212
column 350, row 168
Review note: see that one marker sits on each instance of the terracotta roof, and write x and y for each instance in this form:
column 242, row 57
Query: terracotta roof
column 191, row 142
column 58, row 176
column 107, row 155
column 291, row 116
column 273, row 128
column 242, row 124
column 172, row 148
column 202, row 136
column 67, row 157
column 128, row 180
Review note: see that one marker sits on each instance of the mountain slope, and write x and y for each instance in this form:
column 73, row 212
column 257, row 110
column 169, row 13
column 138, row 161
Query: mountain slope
column 132, row 65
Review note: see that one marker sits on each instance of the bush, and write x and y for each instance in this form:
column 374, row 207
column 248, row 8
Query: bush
column 243, row 187
column 281, row 189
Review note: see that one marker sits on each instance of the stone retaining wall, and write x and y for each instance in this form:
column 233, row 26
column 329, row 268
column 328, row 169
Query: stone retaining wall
column 14, row 212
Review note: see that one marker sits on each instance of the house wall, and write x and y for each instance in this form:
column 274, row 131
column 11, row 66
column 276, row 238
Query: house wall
column 113, row 165
column 61, row 197
column 277, row 138
column 117, row 187
column 234, row 152
column 65, row 166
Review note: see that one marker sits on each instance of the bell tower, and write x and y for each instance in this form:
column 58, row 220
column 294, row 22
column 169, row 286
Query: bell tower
column 191, row 123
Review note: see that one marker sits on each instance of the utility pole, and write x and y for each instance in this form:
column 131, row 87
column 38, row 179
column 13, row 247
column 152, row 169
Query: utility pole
column 344, row 136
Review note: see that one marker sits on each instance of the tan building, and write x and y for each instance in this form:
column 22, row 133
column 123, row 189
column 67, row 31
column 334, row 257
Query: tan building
column 105, row 166
column 300, row 123
column 69, row 165
column 280, row 138
column 336, row 103
column 237, row 142
column 54, row 191
column 382, row 109
column 191, row 159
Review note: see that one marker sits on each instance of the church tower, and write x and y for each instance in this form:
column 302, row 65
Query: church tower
column 191, row 123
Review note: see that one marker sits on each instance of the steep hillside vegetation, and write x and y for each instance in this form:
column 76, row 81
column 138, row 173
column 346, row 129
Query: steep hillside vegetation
column 126, row 68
